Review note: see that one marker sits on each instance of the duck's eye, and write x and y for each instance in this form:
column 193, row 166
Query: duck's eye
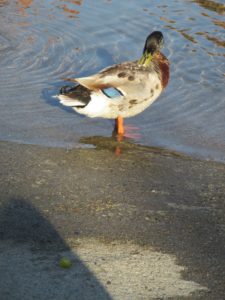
column 112, row 92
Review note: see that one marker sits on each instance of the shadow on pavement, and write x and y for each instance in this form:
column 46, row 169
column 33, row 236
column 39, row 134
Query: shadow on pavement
column 30, row 252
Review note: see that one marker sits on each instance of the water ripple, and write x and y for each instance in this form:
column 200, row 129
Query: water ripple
column 41, row 42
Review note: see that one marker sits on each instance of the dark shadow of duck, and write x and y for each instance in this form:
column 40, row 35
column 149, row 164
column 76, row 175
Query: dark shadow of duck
column 126, row 145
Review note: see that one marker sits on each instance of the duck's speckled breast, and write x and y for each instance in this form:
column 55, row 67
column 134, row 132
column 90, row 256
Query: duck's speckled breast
column 145, row 94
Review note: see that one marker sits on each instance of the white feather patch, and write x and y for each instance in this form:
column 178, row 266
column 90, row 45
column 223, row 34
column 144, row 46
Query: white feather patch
column 67, row 101
column 97, row 107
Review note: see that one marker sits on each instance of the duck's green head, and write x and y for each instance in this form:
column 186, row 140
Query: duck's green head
column 154, row 43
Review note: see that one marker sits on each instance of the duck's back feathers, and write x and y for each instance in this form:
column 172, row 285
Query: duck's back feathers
column 114, row 76
column 128, row 77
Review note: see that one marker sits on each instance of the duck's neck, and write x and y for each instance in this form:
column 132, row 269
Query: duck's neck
column 146, row 59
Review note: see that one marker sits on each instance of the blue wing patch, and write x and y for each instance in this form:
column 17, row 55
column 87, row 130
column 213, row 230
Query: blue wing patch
column 112, row 92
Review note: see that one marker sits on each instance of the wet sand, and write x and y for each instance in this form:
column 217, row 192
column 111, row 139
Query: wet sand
column 137, row 223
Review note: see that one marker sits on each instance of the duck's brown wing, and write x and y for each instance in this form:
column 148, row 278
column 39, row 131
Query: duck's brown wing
column 120, row 76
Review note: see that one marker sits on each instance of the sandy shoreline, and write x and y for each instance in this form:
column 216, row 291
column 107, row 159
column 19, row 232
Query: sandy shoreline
column 139, row 225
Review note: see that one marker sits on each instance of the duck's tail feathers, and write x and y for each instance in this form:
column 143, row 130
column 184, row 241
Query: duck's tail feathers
column 75, row 96
column 67, row 101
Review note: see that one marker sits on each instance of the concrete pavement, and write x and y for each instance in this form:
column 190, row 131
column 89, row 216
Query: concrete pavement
column 145, row 224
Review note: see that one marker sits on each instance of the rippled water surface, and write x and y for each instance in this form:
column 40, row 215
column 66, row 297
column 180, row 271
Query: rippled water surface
column 43, row 41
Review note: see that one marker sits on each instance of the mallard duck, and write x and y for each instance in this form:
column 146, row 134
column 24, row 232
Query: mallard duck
column 123, row 90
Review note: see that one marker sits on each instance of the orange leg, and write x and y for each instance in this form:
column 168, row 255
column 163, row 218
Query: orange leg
column 119, row 126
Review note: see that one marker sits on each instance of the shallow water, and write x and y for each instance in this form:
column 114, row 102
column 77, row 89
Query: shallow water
column 43, row 41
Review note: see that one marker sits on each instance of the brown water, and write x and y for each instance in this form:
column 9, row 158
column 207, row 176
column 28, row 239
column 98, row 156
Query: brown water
column 43, row 41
